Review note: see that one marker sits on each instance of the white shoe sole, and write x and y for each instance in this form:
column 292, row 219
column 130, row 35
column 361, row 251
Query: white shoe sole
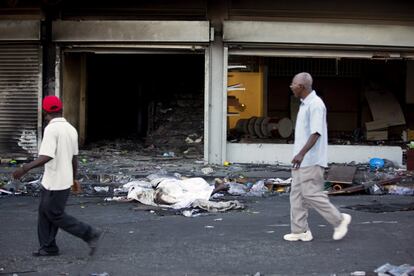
column 347, row 221
column 297, row 239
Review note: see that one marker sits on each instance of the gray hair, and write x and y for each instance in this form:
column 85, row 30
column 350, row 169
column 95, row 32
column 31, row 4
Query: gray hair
column 305, row 79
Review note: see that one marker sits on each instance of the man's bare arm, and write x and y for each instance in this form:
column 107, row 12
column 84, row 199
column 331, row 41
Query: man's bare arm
column 40, row 161
column 75, row 166
column 297, row 160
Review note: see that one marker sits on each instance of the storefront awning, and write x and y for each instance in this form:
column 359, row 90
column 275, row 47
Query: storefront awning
column 313, row 33
column 131, row 31
column 19, row 30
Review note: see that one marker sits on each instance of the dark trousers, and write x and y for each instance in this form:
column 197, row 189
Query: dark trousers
column 52, row 216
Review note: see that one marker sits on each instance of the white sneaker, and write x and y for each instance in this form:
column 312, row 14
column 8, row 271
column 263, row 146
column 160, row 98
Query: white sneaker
column 307, row 236
column 341, row 230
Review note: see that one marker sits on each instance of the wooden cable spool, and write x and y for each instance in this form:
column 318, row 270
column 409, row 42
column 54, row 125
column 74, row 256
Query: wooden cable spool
column 265, row 127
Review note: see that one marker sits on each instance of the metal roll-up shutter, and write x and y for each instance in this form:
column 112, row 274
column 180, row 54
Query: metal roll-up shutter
column 20, row 90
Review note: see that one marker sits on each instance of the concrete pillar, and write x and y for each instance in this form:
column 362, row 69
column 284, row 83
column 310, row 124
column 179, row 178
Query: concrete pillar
column 216, row 99
column 216, row 123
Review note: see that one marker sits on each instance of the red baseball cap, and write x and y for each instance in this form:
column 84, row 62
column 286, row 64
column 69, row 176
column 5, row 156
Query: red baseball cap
column 52, row 104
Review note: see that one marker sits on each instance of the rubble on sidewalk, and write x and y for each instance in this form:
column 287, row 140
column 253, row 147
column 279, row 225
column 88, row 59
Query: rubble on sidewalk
column 379, row 176
column 107, row 165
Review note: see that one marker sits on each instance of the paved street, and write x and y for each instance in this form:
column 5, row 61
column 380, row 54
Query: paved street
column 140, row 242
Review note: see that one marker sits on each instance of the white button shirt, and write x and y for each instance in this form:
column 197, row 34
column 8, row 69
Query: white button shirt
column 60, row 141
column 312, row 119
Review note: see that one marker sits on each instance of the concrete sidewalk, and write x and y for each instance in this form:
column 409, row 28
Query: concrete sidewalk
column 140, row 242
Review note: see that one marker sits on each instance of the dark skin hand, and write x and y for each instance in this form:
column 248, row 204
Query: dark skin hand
column 75, row 166
column 297, row 160
column 40, row 161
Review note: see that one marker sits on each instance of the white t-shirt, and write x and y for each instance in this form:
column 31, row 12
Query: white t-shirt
column 60, row 141
column 312, row 119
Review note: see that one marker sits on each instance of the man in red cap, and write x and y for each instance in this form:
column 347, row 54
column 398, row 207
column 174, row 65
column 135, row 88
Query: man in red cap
column 58, row 153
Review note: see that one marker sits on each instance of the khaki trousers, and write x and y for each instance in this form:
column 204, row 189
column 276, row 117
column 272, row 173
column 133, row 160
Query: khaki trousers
column 307, row 192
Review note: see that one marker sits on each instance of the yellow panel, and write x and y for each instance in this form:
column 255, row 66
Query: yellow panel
column 251, row 97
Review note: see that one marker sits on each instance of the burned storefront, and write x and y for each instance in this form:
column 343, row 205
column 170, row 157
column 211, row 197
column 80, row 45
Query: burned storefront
column 366, row 83
column 20, row 87
column 126, row 88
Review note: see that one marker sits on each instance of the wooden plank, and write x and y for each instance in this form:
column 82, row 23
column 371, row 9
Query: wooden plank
column 376, row 125
column 366, row 185
column 341, row 174
column 385, row 107
column 377, row 135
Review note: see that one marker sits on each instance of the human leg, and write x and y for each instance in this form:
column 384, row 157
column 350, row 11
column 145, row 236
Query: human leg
column 46, row 230
column 298, row 208
column 298, row 212
column 315, row 197
column 57, row 215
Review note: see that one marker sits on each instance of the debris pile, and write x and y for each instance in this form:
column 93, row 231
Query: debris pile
column 178, row 127
column 378, row 177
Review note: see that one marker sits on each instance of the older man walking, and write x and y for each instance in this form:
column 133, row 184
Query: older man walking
column 58, row 153
column 309, row 161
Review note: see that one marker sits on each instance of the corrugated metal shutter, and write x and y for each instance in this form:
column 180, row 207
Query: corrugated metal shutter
column 20, row 87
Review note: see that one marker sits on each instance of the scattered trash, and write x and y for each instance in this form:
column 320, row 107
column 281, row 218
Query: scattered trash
column 14, row 186
column 389, row 269
column 207, row 170
column 358, row 273
column 340, row 177
column 100, row 274
column 258, row 189
column 188, row 213
column 400, row 190
column 101, row 189
column 168, row 154
column 193, row 139
column 279, row 185
column 376, row 163
column 375, row 190
column 117, row 198
column 213, row 206
column 226, row 163
column 366, row 186
column 194, row 213
column 384, row 268
column 3, row 191
column 237, row 189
